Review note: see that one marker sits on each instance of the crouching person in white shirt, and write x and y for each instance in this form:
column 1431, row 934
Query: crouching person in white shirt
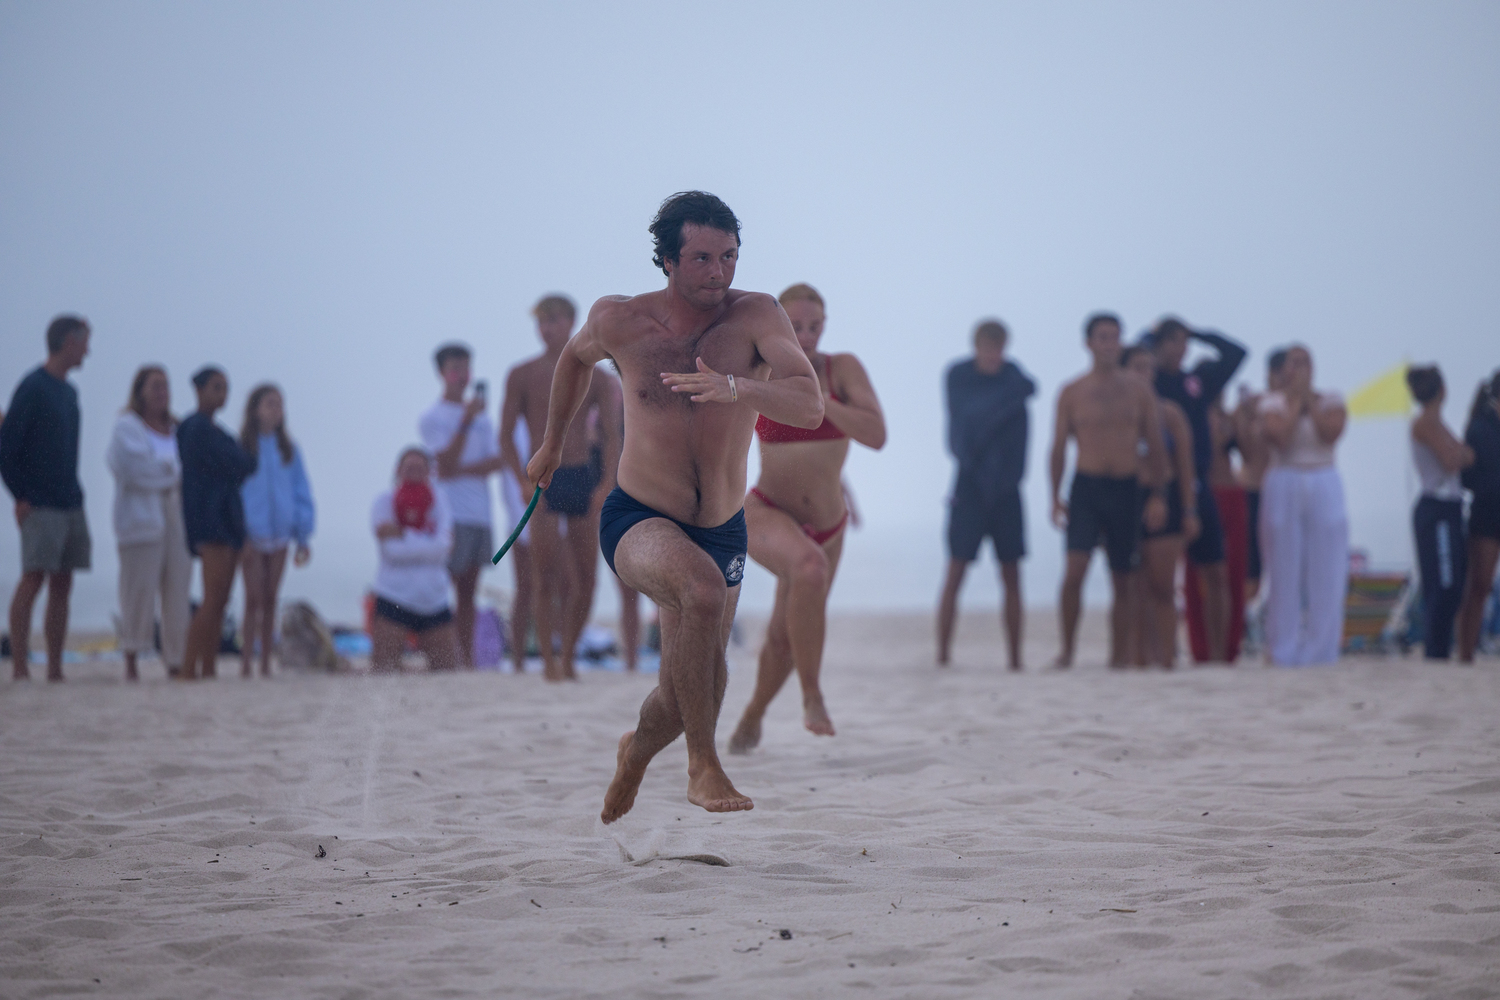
column 414, row 529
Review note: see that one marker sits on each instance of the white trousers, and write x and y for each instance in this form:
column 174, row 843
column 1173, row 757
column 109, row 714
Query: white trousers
column 1304, row 544
column 157, row 570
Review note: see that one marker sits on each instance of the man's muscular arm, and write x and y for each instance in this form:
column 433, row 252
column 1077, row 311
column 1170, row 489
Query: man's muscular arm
column 790, row 396
column 1061, row 430
column 570, row 384
column 510, row 410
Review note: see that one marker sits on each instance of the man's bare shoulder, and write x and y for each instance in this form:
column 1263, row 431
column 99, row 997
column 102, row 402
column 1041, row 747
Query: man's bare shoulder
column 613, row 310
column 751, row 305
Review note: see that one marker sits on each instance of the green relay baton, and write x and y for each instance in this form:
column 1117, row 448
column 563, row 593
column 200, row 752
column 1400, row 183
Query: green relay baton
column 519, row 528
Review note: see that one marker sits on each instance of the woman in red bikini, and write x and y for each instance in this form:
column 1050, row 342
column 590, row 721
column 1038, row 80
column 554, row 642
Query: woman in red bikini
column 796, row 516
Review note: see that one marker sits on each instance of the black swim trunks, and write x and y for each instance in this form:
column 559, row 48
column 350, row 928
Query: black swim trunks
column 411, row 620
column 1208, row 547
column 726, row 545
column 1106, row 509
column 1173, row 525
column 970, row 519
column 572, row 487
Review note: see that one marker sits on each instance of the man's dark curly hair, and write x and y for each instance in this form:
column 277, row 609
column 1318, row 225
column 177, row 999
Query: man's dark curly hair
column 696, row 207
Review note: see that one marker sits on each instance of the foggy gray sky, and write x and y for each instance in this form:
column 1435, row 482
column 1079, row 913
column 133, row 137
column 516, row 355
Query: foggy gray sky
column 319, row 194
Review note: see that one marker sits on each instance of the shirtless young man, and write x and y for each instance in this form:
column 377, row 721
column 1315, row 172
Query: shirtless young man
column 563, row 569
column 1109, row 411
column 698, row 362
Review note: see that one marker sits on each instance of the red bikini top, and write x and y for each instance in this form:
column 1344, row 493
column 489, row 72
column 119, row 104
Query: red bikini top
column 771, row 432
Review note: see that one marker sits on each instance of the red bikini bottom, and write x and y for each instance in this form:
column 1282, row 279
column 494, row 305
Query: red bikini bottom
column 821, row 537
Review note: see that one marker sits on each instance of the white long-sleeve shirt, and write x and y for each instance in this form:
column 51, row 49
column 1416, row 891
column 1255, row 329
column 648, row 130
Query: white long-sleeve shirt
column 413, row 569
column 144, row 471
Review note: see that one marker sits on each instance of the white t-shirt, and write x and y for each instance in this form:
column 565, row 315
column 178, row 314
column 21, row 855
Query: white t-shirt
column 468, row 496
column 163, row 446
column 413, row 568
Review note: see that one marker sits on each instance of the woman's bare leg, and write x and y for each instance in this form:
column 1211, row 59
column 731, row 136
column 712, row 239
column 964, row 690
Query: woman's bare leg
column 440, row 646
column 387, row 639
column 219, row 563
column 1159, row 599
column 1483, row 553
column 252, row 571
column 273, row 566
column 774, row 667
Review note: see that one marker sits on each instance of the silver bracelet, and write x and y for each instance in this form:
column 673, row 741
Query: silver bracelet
column 734, row 396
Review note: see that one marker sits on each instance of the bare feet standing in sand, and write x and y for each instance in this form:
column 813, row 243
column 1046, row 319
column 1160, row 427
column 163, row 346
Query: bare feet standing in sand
column 796, row 517
column 563, row 561
column 1109, row 411
column 987, row 430
column 698, row 361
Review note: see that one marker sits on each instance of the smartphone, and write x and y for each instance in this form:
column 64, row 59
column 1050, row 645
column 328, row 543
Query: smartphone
column 481, row 390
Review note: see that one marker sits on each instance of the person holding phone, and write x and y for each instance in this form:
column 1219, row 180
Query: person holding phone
column 462, row 439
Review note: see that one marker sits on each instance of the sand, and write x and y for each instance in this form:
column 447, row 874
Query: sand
column 1209, row 833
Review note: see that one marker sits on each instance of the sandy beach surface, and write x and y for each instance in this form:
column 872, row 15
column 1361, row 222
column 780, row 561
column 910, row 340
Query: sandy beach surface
column 971, row 833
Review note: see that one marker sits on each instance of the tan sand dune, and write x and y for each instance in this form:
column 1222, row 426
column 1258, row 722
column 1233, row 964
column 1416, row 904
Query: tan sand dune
column 1213, row 833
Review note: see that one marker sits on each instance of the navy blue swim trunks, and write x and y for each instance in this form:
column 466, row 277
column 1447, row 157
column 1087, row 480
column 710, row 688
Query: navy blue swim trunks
column 726, row 545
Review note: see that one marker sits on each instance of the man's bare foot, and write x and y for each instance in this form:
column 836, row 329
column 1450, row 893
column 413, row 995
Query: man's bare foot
column 815, row 717
column 715, row 792
column 621, row 793
column 1016, row 668
column 54, row 675
column 1064, row 661
column 20, row 672
column 746, row 735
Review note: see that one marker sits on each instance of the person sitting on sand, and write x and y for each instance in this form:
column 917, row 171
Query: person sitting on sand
column 1109, row 412
column 796, row 515
column 414, row 529
column 698, row 362
column 988, row 426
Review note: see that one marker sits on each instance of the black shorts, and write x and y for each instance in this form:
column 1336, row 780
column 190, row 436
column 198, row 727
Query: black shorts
column 1484, row 516
column 726, row 545
column 1208, row 547
column 572, row 488
column 1106, row 509
column 411, row 620
column 1252, row 510
column 971, row 520
column 1173, row 525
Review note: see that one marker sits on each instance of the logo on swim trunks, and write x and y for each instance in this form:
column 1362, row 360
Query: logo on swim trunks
column 735, row 571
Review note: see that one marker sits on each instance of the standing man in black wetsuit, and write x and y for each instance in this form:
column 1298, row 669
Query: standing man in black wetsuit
column 987, row 431
column 1195, row 392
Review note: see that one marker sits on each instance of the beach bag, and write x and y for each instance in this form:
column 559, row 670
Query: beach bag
column 489, row 647
column 306, row 642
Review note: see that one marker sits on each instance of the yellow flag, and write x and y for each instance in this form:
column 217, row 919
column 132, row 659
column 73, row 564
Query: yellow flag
column 1385, row 395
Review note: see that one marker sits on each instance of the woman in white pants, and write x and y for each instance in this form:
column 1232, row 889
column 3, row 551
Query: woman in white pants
column 154, row 559
column 1304, row 529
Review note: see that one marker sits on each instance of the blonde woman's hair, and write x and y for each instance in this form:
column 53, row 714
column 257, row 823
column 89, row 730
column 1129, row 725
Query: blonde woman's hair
column 802, row 292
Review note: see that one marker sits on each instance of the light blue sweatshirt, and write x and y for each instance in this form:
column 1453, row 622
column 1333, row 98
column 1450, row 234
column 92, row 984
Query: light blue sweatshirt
column 278, row 498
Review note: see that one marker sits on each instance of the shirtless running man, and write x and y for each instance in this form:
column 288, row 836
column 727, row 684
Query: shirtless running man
column 563, row 568
column 1109, row 411
column 698, row 362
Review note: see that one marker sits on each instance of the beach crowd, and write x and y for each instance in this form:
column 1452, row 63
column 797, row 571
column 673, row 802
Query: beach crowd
column 1234, row 508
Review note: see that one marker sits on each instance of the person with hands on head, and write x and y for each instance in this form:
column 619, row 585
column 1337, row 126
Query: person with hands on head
column 698, row 360
column 796, row 516
column 39, row 464
column 1304, row 526
column 1194, row 391
column 1110, row 413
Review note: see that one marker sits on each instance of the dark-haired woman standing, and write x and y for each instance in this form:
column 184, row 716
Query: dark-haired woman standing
column 213, row 467
column 1482, row 479
column 1438, row 519
column 278, row 512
